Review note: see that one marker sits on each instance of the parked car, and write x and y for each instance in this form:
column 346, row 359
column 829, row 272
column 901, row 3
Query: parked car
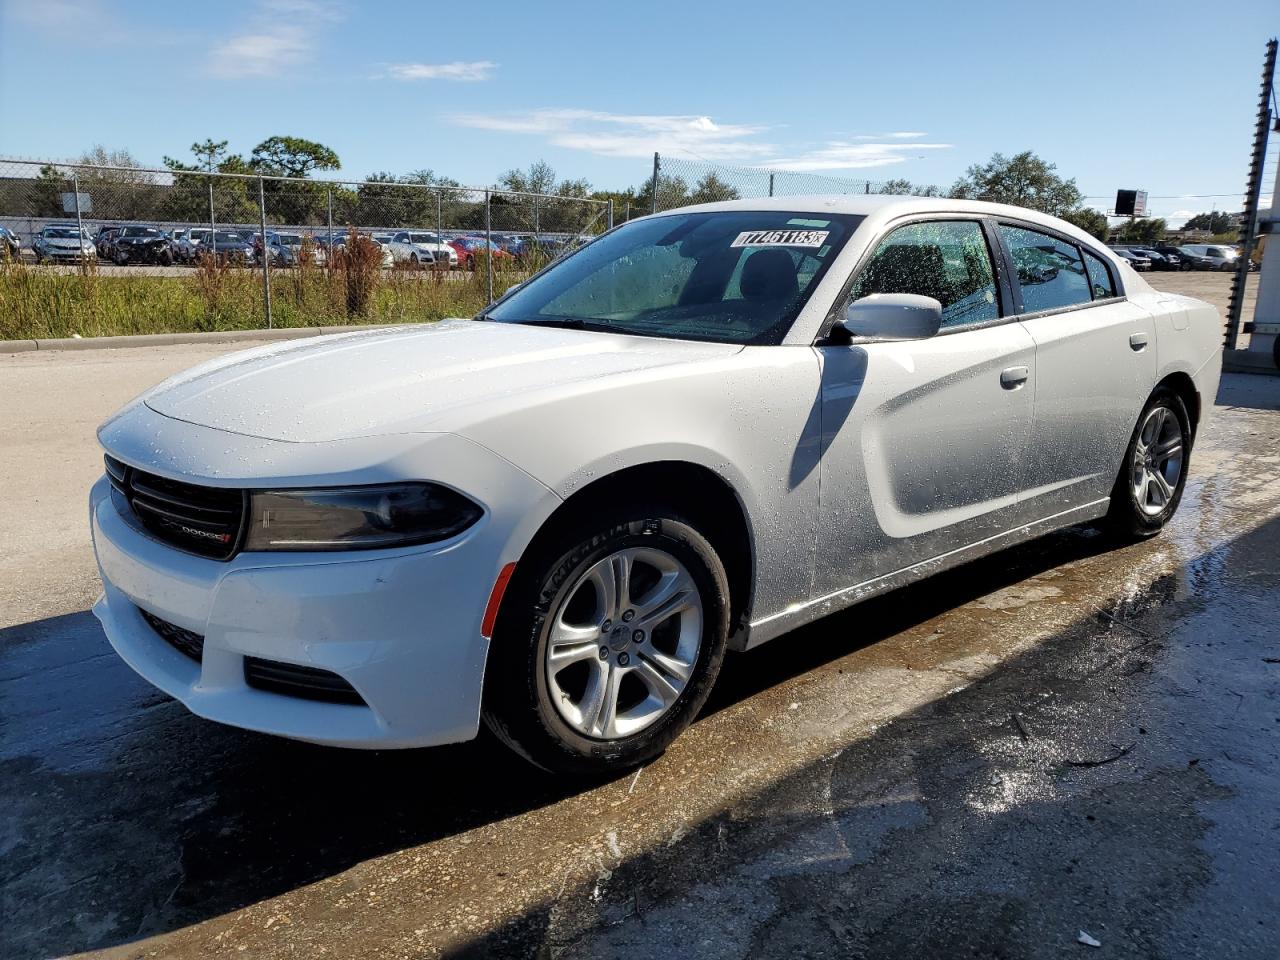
column 1159, row 261
column 378, row 539
column 102, row 241
column 63, row 241
column 469, row 248
column 286, row 249
column 340, row 241
column 1137, row 261
column 187, row 246
column 139, row 243
column 420, row 247
column 229, row 247
column 10, row 245
column 1215, row 256
column 545, row 249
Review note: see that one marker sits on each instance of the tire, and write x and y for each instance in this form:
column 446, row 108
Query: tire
column 554, row 718
column 1141, row 503
column 121, row 258
column 413, row 261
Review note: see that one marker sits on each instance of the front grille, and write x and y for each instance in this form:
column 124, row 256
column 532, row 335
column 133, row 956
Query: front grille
column 292, row 680
column 207, row 521
column 184, row 641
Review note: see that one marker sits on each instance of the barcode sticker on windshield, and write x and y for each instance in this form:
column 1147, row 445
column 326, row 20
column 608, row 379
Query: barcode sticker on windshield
column 781, row 238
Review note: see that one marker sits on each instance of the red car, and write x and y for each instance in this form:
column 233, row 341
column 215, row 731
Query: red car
column 468, row 247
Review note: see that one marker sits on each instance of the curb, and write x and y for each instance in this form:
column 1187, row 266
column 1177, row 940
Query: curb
column 173, row 339
column 1249, row 361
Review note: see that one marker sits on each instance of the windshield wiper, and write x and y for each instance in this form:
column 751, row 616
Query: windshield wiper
column 570, row 323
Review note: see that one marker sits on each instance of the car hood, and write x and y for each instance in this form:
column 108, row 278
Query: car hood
column 439, row 377
column 63, row 242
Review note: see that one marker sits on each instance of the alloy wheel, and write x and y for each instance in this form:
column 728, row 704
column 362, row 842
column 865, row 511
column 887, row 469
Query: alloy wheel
column 622, row 643
column 1157, row 461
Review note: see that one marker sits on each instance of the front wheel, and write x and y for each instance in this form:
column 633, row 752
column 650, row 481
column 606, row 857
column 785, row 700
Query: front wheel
column 608, row 643
column 1149, row 488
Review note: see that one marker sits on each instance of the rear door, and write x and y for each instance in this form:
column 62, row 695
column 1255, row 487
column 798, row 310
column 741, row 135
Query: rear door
column 924, row 439
column 1095, row 366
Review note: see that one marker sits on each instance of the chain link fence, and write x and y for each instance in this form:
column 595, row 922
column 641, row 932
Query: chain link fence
column 90, row 250
column 678, row 182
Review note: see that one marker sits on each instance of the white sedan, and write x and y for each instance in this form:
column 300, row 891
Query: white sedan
column 697, row 433
column 417, row 248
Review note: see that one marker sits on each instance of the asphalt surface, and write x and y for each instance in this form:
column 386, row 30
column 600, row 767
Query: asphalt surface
column 1070, row 736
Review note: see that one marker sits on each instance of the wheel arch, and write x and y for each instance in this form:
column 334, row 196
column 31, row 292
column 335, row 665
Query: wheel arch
column 709, row 499
column 1182, row 384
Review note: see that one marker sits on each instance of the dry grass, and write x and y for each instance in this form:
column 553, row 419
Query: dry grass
column 38, row 302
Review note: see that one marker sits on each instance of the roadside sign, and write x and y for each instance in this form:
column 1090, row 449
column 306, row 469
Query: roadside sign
column 1131, row 203
column 69, row 203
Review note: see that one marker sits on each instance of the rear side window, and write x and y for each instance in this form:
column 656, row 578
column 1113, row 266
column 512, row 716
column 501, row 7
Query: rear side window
column 1099, row 277
column 946, row 260
column 1050, row 271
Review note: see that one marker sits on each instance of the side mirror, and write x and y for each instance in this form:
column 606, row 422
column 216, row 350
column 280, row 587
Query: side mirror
column 892, row 316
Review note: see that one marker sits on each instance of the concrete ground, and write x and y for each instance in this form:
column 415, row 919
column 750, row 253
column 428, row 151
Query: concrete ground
column 1068, row 737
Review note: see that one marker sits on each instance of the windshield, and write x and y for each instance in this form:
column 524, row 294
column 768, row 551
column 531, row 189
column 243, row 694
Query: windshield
column 65, row 233
column 139, row 232
column 225, row 237
column 734, row 277
column 423, row 238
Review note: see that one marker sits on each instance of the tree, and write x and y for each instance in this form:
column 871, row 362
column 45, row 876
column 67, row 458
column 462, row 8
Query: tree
column 673, row 191
column 711, row 189
column 1142, row 231
column 1217, row 221
column 188, row 198
column 901, row 187
column 1090, row 221
column 1023, row 180
column 292, row 157
column 539, row 178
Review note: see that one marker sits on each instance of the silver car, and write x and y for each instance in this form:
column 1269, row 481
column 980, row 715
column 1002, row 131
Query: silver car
column 63, row 241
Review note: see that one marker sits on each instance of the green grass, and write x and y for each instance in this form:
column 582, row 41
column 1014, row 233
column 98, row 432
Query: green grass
column 37, row 302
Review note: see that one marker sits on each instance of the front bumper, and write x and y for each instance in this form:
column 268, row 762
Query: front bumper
column 401, row 626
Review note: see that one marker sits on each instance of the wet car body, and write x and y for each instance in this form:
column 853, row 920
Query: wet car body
column 849, row 459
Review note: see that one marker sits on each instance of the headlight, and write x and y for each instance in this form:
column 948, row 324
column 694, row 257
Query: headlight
column 357, row 518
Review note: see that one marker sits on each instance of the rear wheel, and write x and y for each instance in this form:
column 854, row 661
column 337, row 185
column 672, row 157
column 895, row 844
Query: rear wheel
column 1149, row 488
column 609, row 641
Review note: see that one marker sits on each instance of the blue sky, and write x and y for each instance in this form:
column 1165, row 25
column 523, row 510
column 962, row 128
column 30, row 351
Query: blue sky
column 1155, row 96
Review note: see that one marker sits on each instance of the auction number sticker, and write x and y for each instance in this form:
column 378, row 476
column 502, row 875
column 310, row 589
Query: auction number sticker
column 781, row 238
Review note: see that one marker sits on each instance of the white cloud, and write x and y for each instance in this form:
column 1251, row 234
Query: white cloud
column 692, row 135
column 838, row 155
column 460, row 71
column 260, row 54
column 281, row 34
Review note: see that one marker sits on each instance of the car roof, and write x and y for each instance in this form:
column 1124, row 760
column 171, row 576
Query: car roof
column 886, row 207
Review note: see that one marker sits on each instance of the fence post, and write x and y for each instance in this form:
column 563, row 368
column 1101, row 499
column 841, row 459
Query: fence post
column 266, row 254
column 610, row 221
column 626, row 216
column 537, row 220
column 440, row 221
column 488, row 242
column 328, row 254
column 75, row 186
column 771, row 184
column 213, row 225
column 653, row 200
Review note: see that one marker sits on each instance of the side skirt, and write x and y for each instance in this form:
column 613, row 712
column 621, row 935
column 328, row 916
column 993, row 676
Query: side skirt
column 797, row 615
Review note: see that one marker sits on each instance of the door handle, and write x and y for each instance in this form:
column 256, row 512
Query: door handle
column 1137, row 342
column 1011, row 378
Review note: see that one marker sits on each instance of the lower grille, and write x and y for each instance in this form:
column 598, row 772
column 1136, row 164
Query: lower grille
column 292, row 680
column 203, row 520
column 184, row 641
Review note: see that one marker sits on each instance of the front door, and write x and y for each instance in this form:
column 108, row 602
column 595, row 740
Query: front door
column 924, row 440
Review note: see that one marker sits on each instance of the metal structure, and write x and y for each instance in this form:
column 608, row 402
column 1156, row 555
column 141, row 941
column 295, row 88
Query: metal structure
column 1253, row 190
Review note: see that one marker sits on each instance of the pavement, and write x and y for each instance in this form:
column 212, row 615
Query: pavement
column 1072, row 739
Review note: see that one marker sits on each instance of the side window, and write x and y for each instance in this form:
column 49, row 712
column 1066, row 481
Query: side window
column 1050, row 270
column 943, row 259
column 1099, row 277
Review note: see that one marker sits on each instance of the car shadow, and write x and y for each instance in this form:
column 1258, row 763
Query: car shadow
column 130, row 817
